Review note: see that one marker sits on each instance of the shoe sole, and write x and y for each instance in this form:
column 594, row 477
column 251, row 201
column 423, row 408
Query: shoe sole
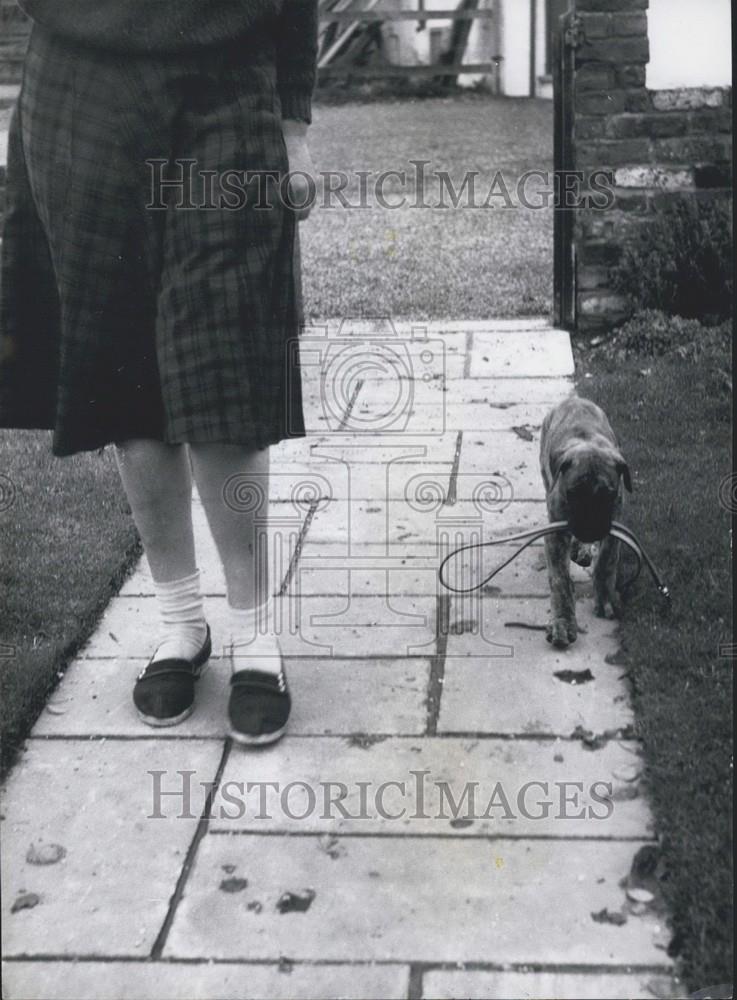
column 151, row 720
column 254, row 741
column 156, row 723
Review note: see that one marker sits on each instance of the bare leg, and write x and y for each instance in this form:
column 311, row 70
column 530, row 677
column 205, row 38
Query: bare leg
column 157, row 481
column 233, row 484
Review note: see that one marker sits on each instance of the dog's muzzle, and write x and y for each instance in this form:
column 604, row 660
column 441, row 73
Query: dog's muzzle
column 591, row 511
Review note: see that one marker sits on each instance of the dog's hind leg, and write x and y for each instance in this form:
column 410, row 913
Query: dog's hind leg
column 607, row 603
column 562, row 630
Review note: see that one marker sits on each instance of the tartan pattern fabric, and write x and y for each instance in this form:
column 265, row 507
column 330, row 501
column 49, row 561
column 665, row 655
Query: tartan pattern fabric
column 121, row 320
column 182, row 25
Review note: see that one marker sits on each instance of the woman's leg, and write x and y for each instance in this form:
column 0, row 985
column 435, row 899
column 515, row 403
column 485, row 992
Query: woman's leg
column 158, row 484
column 233, row 483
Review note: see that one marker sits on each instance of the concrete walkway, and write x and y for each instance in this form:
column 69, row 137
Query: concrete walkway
column 250, row 875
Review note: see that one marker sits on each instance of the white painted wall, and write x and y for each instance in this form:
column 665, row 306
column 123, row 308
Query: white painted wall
column 483, row 43
column 507, row 35
column 515, row 28
column 404, row 42
column 540, row 38
column 541, row 89
column 690, row 44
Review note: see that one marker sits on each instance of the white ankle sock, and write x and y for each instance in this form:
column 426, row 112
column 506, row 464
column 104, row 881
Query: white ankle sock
column 183, row 628
column 251, row 639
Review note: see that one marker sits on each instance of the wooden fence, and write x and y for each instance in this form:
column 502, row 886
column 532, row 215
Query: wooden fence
column 351, row 18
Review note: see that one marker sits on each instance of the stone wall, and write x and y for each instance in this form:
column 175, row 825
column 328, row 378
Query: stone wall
column 658, row 146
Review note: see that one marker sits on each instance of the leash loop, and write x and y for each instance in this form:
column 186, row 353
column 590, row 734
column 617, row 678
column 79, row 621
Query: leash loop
column 619, row 531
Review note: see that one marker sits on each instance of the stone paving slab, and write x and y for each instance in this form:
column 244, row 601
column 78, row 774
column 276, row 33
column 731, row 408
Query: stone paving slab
column 301, row 484
column 526, row 576
column 511, row 325
column 444, row 787
column 503, row 453
column 444, row 326
column 202, row 981
column 477, row 623
column 377, row 528
column 506, row 392
column 337, row 625
column 329, row 393
column 523, row 355
column 415, row 448
column 379, row 405
column 502, row 392
column 481, row 985
column 504, row 696
column 384, row 900
column 110, row 893
column 511, row 673
column 424, row 519
column 439, row 416
column 439, row 327
column 462, row 415
column 416, row 351
column 330, row 696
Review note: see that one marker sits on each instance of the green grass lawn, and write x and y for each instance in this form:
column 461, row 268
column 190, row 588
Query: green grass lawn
column 674, row 426
column 422, row 263
column 67, row 543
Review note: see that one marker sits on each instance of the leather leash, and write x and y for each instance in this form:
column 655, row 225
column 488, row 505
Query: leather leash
column 618, row 531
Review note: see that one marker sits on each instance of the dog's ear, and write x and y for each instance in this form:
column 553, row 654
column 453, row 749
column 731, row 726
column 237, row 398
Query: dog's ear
column 624, row 470
column 560, row 462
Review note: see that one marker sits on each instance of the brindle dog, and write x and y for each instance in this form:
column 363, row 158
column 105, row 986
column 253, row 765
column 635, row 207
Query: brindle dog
column 582, row 468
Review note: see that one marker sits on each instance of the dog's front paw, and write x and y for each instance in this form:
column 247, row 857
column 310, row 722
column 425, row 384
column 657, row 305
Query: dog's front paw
column 561, row 632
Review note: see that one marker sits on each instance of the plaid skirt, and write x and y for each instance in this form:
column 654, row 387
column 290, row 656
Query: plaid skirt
column 140, row 297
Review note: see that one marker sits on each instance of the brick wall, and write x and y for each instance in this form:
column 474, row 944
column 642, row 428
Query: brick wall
column 658, row 145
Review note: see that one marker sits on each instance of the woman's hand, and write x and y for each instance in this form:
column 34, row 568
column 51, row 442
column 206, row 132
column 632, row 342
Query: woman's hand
column 302, row 188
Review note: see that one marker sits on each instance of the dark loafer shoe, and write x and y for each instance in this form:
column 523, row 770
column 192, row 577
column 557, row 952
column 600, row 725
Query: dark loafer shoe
column 259, row 706
column 164, row 690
